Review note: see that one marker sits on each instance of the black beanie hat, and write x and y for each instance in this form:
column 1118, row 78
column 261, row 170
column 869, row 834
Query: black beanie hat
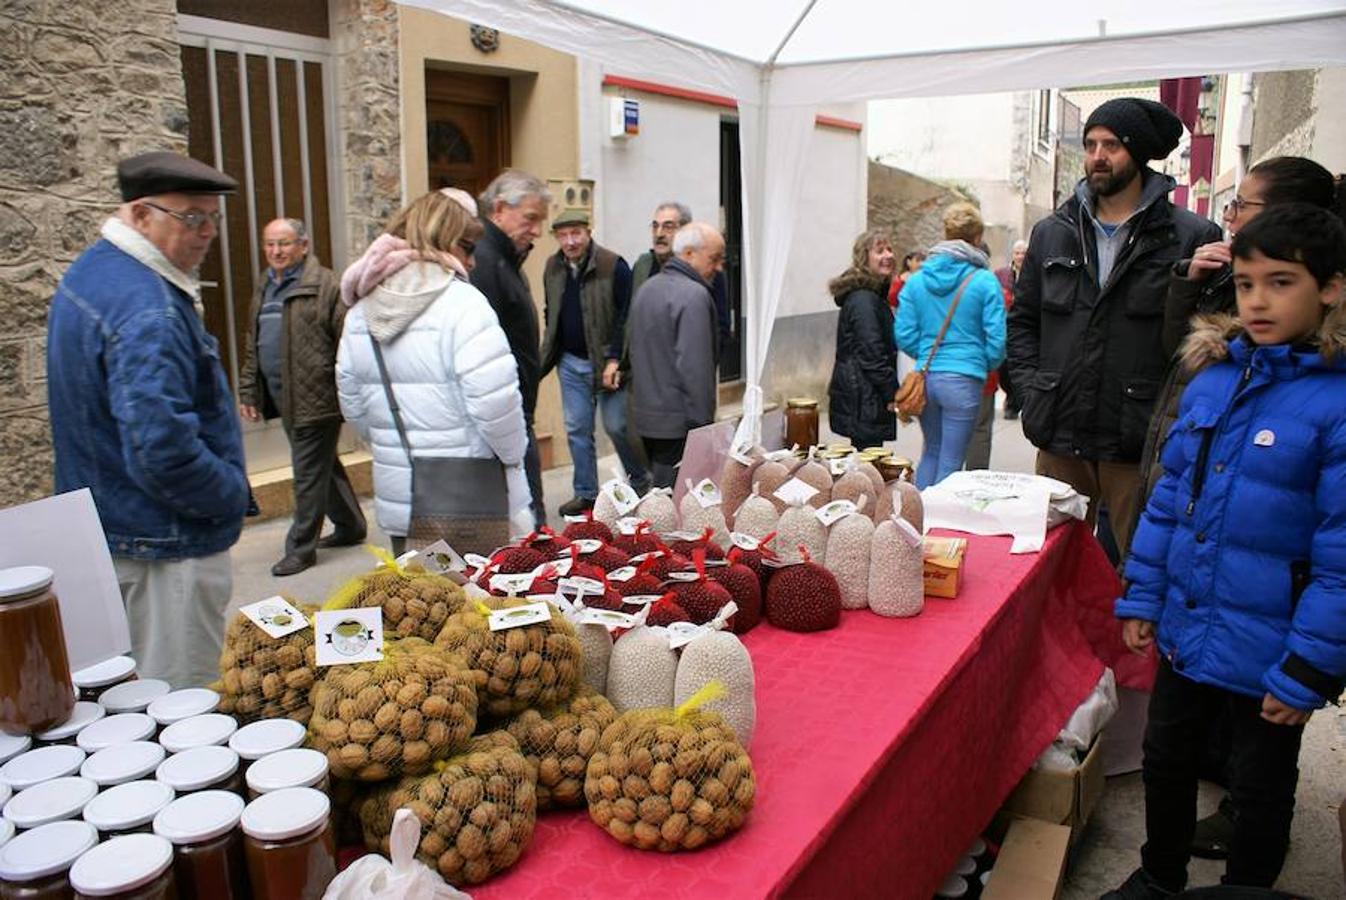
column 1147, row 129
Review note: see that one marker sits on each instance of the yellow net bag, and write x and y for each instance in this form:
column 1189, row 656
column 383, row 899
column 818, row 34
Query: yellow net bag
column 396, row 716
column 477, row 810
column 415, row 602
column 670, row 779
column 262, row 677
column 559, row 741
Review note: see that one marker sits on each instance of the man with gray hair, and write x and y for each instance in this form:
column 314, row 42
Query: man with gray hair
column 294, row 327
column 674, row 350
column 668, row 218
column 514, row 209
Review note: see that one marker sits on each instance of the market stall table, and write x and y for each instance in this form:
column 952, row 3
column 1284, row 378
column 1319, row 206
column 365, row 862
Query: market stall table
column 883, row 747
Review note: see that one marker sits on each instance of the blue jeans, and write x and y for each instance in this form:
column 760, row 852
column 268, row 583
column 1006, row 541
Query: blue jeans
column 578, row 399
column 951, row 405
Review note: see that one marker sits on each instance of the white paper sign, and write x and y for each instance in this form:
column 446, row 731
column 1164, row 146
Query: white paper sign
column 275, row 616
column 518, row 616
column 343, row 636
column 683, row 576
column 796, row 491
column 641, row 599
column 625, row 573
column 744, row 541
column 829, row 513
column 585, row 545
column 580, row 585
column 606, row 617
column 554, row 568
column 440, row 557
column 623, row 497
column 707, row 493
column 513, row 584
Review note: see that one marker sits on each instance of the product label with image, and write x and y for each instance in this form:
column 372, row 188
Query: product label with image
column 276, row 616
column 622, row 495
column 829, row 513
column 796, row 491
column 518, row 616
column 343, row 636
column 707, row 493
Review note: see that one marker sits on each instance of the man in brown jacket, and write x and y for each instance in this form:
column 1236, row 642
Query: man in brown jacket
column 294, row 326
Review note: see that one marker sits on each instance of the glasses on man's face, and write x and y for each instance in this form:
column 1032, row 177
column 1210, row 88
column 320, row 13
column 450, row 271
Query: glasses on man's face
column 664, row 227
column 278, row 245
column 468, row 247
column 192, row 218
column 1238, row 205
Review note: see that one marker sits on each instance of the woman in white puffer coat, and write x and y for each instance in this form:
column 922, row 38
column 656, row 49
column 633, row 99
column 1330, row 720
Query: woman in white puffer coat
column 448, row 361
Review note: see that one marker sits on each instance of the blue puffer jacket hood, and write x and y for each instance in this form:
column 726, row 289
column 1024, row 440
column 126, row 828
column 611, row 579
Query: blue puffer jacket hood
column 1240, row 555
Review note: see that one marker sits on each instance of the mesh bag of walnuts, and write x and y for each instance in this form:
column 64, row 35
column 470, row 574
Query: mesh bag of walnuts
column 559, row 741
column 262, row 677
column 477, row 810
column 416, row 603
column 516, row 668
column 393, row 717
column 670, row 779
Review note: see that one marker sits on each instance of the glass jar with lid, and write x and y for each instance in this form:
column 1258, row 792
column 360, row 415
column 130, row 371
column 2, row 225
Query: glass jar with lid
column 268, row 736
column 84, row 714
column 123, row 763
column 801, row 421
column 299, row 767
column 133, row 696
column 178, row 705
column 42, row 764
column 132, row 867
column 50, row 801
column 36, row 865
column 289, row 844
column 36, row 692
column 209, row 730
column 202, row 769
column 127, row 808
column 109, row 731
column 208, row 858
column 94, row 680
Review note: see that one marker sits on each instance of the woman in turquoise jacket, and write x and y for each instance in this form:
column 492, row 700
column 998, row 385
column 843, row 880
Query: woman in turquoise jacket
column 973, row 345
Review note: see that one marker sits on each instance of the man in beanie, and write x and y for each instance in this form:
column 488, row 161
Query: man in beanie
column 1085, row 347
column 142, row 414
column 587, row 295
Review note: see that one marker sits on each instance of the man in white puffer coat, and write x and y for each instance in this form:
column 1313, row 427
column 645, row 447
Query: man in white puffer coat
column 449, row 364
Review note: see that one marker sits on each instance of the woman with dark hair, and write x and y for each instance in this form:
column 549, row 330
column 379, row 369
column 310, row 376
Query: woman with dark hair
column 864, row 375
column 911, row 264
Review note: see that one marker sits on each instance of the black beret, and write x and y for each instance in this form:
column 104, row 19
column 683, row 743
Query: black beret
column 162, row 172
column 1147, row 129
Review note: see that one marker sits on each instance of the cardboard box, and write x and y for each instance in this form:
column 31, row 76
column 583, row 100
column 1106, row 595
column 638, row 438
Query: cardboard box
column 1061, row 798
column 944, row 566
column 1031, row 864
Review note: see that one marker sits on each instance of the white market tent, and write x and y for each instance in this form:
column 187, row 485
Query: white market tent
column 781, row 59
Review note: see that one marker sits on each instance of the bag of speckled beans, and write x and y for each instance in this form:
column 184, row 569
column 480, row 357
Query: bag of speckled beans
column 896, row 569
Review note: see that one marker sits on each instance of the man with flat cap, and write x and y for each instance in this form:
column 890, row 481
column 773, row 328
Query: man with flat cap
column 1084, row 334
column 142, row 414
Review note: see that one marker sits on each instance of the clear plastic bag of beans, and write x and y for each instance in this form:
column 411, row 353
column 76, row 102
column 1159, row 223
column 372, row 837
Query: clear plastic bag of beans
column 559, row 741
column 396, row 716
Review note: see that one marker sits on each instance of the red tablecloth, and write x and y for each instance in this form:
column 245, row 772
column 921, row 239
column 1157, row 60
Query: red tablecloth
column 883, row 747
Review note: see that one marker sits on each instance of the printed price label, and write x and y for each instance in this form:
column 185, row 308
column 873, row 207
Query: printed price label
column 276, row 616
column 683, row 576
column 439, row 557
column 625, row 573
column 606, row 617
column 622, row 495
column 795, row 492
column 580, row 585
column 641, row 599
column 344, row 636
column 518, row 616
column 555, row 568
column 514, row 584
column 707, row 493
column 834, row 511
column 744, row 541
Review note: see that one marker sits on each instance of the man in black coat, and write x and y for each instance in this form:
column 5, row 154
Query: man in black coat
column 1085, row 333
column 514, row 209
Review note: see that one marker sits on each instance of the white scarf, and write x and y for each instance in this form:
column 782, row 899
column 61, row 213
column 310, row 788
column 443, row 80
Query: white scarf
column 138, row 247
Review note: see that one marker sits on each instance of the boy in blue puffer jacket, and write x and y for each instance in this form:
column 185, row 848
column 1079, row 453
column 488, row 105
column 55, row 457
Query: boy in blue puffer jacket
column 1238, row 568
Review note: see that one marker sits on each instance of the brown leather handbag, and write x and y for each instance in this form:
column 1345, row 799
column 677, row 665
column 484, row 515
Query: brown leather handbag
column 909, row 401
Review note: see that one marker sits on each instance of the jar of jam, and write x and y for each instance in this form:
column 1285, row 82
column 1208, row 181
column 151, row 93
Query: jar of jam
column 133, row 867
column 268, row 736
column 36, row 864
column 11, row 745
column 127, row 808
column 289, row 844
column 288, row 769
column 36, row 692
column 178, row 705
column 82, row 716
column 202, row 769
column 123, row 763
column 208, row 859
column 209, row 730
column 133, row 696
column 42, row 764
column 801, row 421
column 50, row 801
column 109, row 731
column 94, row 680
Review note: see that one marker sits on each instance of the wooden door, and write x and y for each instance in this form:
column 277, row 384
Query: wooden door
column 467, row 129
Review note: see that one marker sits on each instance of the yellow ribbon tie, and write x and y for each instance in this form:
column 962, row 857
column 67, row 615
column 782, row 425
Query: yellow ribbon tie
column 712, row 690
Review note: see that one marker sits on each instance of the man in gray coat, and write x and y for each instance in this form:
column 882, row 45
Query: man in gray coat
column 674, row 350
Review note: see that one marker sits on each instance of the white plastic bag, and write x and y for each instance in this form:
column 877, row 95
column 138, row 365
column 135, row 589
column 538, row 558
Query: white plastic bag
column 374, row 878
column 984, row 502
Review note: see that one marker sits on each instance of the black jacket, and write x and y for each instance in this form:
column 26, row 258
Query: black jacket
column 864, row 376
column 1088, row 361
column 497, row 275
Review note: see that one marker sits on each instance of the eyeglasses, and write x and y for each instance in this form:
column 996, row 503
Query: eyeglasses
column 277, row 245
column 468, row 247
column 1238, row 204
column 192, row 218
column 664, row 227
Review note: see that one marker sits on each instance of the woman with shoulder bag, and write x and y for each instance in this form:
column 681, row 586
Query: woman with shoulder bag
column 864, row 374
column 425, row 373
column 952, row 322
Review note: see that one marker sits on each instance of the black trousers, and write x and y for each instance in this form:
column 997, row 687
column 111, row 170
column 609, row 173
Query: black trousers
column 321, row 488
column 532, row 467
column 1012, row 401
column 1263, row 772
column 664, row 455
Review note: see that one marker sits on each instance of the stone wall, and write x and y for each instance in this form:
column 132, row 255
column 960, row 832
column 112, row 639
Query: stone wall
column 1284, row 110
column 909, row 206
column 81, row 85
column 365, row 33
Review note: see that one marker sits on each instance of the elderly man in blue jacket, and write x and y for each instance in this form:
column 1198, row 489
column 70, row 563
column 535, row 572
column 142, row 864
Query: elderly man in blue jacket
column 142, row 414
